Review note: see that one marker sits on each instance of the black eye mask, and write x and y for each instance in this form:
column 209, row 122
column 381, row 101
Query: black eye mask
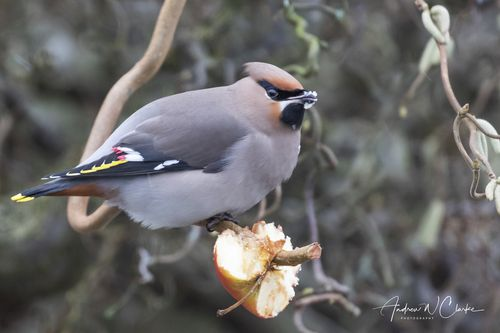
column 277, row 94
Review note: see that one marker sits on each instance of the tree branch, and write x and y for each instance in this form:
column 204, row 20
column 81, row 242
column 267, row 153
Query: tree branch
column 442, row 37
column 112, row 107
column 330, row 297
column 264, row 210
column 303, row 302
column 445, row 79
column 320, row 276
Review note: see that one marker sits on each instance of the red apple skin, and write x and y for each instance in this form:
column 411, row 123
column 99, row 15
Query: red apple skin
column 237, row 288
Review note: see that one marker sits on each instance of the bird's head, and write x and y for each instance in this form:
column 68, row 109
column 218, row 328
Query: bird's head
column 285, row 95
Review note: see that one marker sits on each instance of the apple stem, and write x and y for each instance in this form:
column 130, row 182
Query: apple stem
column 298, row 256
column 222, row 312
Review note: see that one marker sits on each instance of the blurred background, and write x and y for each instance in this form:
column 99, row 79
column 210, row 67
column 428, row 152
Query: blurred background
column 394, row 216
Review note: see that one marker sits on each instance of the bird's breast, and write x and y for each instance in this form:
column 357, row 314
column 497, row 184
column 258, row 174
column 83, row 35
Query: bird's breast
column 260, row 163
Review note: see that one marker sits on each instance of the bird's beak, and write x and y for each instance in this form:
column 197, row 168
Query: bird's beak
column 308, row 98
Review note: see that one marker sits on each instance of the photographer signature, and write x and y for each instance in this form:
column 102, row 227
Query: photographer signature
column 444, row 308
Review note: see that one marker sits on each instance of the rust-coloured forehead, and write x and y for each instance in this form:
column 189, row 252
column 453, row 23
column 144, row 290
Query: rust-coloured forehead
column 285, row 84
column 272, row 74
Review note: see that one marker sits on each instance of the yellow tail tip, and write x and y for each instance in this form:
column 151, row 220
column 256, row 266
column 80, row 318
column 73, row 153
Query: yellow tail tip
column 21, row 198
column 26, row 199
column 17, row 197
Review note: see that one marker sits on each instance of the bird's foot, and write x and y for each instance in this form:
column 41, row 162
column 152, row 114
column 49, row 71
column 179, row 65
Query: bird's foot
column 216, row 219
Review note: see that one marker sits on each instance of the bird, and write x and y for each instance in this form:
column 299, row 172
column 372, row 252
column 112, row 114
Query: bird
column 208, row 154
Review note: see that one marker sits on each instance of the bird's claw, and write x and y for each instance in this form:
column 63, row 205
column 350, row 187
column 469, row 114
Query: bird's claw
column 216, row 219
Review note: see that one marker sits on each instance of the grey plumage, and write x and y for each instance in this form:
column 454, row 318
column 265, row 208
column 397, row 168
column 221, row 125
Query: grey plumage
column 223, row 149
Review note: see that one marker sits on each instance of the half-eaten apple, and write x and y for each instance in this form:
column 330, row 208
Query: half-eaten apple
column 244, row 265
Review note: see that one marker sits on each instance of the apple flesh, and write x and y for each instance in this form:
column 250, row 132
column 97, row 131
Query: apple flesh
column 241, row 258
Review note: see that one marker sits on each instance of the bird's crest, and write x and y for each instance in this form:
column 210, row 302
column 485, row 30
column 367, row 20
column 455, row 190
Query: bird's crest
column 276, row 76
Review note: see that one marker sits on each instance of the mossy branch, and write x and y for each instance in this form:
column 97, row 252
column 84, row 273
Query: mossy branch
column 312, row 42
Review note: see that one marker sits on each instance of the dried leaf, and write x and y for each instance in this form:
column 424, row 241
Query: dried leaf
column 497, row 199
column 431, row 27
column 441, row 18
column 482, row 144
column 489, row 128
column 490, row 189
column 430, row 224
column 430, row 56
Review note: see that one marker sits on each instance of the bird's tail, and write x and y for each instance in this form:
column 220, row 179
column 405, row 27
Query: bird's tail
column 55, row 187
column 40, row 190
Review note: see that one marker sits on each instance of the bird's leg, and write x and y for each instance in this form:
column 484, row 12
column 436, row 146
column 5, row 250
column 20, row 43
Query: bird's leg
column 216, row 219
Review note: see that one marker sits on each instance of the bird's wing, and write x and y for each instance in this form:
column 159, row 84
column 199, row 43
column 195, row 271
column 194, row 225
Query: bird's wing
column 166, row 143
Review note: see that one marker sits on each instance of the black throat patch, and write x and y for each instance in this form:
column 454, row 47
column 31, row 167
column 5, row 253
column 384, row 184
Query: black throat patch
column 292, row 115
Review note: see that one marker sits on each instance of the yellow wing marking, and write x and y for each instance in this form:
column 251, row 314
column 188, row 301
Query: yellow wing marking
column 103, row 166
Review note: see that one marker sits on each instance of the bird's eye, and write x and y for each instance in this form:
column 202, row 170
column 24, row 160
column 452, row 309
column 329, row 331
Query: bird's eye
column 272, row 93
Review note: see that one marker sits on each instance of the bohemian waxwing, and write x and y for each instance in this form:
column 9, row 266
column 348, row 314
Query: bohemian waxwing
column 199, row 154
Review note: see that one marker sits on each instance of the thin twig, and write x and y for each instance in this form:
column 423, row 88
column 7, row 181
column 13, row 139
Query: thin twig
column 310, row 209
column 458, row 141
column 473, row 145
column 476, row 174
column 146, row 260
column 381, row 249
column 111, row 311
column 333, row 12
column 331, row 297
column 461, row 111
column 410, row 93
column 201, row 63
column 329, row 155
column 316, row 124
column 224, row 225
column 6, row 126
column 80, row 296
column 262, row 209
column 479, row 127
column 113, row 104
column 312, row 42
column 257, row 284
column 421, row 5
column 298, row 320
column 445, row 79
column 328, row 282
column 191, row 240
column 265, row 211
